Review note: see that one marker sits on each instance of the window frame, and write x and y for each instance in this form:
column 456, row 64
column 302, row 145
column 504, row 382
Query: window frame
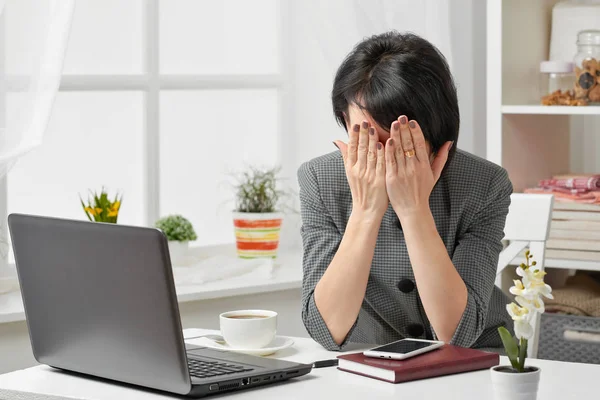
column 151, row 83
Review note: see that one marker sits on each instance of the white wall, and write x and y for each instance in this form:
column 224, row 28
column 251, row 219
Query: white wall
column 479, row 24
column 468, row 38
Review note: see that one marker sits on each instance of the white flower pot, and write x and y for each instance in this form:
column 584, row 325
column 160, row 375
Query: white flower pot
column 510, row 385
column 178, row 252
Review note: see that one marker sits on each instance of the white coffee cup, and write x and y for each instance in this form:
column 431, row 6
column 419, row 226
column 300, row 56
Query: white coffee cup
column 248, row 329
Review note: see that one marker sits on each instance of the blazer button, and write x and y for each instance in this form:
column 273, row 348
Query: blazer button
column 415, row 330
column 406, row 286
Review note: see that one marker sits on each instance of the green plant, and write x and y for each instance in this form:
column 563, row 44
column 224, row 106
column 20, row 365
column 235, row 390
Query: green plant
column 528, row 291
column 257, row 192
column 177, row 228
column 100, row 208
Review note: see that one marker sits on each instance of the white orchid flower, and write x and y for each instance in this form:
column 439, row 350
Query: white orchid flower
column 532, row 285
column 532, row 305
column 528, row 293
column 517, row 313
column 521, row 316
column 541, row 288
column 520, row 290
column 526, row 275
column 537, row 284
column 523, row 330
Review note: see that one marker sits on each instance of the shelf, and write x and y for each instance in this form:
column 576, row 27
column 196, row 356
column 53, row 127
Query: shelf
column 551, row 110
column 566, row 264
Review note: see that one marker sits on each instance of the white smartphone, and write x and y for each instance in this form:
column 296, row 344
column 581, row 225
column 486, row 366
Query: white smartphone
column 403, row 349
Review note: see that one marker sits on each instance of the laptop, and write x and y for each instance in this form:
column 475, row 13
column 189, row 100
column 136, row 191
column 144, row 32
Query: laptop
column 100, row 300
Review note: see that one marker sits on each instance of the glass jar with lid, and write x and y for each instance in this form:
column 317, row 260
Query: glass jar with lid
column 556, row 75
column 587, row 66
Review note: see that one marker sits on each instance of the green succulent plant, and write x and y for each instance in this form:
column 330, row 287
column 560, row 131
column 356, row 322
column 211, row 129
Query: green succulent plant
column 177, row 228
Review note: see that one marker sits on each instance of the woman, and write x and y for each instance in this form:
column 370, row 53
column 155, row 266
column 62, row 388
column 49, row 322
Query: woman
column 401, row 231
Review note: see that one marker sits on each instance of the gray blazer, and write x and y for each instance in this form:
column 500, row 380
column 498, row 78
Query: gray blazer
column 469, row 204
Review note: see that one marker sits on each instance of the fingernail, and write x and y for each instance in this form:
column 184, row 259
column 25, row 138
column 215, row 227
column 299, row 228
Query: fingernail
column 412, row 124
column 403, row 120
column 451, row 144
column 356, row 128
column 372, row 131
column 335, row 144
column 365, row 124
column 395, row 125
column 391, row 142
column 379, row 146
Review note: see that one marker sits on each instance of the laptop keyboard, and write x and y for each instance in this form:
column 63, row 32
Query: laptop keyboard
column 209, row 369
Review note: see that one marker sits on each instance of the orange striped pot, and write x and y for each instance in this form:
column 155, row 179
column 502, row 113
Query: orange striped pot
column 257, row 234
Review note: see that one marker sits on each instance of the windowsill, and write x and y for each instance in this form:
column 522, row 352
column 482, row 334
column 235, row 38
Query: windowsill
column 286, row 275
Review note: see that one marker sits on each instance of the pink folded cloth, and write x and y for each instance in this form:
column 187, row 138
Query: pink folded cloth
column 569, row 195
column 585, row 182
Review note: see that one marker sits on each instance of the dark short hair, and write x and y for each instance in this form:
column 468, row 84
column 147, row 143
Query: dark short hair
column 394, row 74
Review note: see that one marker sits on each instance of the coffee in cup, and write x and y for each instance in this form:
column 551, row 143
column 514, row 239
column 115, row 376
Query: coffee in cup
column 248, row 329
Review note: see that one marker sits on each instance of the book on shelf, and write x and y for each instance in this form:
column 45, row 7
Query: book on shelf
column 444, row 361
column 566, row 244
column 575, row 225
column 572, row 206
column 576, row 215
column 580, row 255
column 575, row 234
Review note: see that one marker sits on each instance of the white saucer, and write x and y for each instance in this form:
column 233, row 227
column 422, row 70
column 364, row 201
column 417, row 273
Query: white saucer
column 279, row 343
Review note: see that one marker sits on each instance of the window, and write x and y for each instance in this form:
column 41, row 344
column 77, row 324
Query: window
column 160, row 100
column 223, row 130
column 83, row 146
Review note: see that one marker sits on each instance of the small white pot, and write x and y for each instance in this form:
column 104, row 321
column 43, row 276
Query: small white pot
column 178, row 252
column 514, row 385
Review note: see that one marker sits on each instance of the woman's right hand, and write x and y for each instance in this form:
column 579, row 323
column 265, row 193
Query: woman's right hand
column 364, row 159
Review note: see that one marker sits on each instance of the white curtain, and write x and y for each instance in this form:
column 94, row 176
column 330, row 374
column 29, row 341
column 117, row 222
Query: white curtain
column 33, row 39
column 35, row 34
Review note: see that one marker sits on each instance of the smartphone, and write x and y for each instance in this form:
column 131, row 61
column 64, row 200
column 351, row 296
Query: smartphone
column 403, row 349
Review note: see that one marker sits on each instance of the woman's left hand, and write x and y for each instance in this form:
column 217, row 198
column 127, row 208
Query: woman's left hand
column 410, row 177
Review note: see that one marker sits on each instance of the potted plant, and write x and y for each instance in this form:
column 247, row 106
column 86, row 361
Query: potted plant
column 179, row 232
column 257, row 218
column 518, row 380
column 100, row 209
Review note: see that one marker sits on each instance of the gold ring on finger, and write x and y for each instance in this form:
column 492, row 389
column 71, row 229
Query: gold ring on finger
column 409, row 153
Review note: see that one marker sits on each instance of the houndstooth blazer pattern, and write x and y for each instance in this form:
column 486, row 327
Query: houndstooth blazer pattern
column 469, row 204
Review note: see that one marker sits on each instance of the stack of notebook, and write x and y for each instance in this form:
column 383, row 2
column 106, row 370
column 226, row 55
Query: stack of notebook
column 574, row 232
column 445, row 361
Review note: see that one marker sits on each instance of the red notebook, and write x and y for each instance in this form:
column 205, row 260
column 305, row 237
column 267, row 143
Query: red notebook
column 444, row 361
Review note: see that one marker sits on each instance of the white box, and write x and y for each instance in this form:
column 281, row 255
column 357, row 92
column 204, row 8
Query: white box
column 568, row 18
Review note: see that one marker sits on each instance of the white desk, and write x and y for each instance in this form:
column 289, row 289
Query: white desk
column 558, row 381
